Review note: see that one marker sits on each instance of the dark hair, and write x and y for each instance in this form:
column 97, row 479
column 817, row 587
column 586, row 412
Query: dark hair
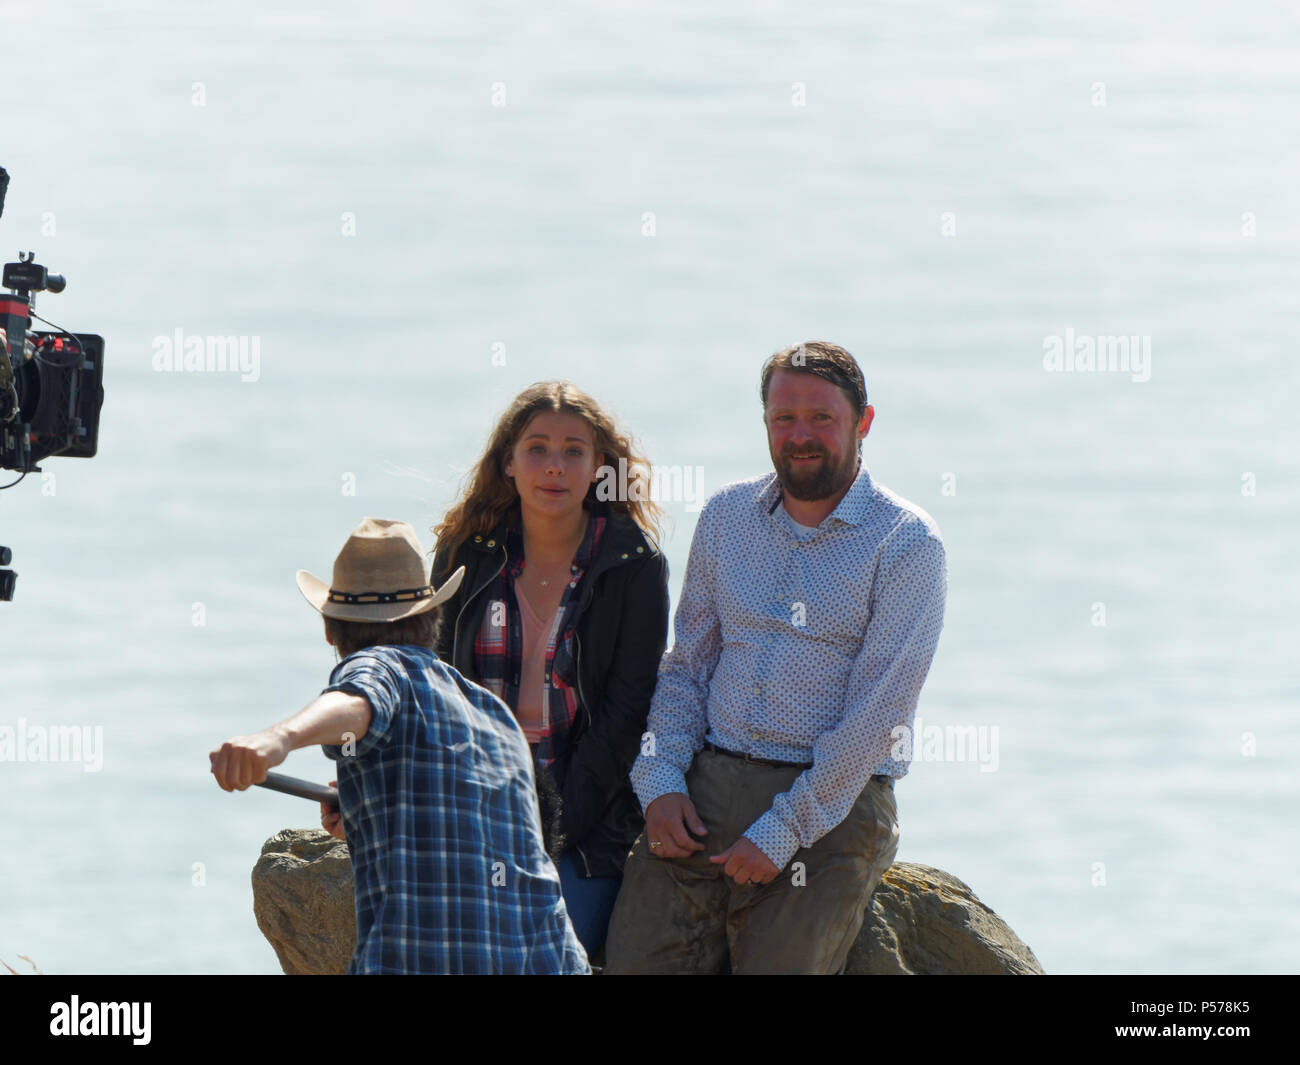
column 352, row 636
column 822, row 359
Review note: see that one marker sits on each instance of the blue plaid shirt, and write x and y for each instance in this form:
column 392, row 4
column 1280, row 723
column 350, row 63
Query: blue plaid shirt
column 440, row 813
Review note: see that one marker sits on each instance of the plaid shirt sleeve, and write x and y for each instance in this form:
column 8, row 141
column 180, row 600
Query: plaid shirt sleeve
column 375, row 680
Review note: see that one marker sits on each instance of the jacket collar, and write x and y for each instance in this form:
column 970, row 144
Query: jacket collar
column 622, row 540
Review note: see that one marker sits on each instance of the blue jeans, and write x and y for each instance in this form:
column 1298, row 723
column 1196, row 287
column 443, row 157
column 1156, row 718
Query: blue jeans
column 589, row 901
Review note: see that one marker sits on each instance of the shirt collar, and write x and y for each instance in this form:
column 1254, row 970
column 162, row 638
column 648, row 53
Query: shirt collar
column 851, row 510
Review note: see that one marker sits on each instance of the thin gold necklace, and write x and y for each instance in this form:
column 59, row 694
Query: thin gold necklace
column 580, row 539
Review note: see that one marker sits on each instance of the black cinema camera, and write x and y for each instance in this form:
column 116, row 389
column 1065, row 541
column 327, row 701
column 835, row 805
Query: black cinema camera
column 51, row 383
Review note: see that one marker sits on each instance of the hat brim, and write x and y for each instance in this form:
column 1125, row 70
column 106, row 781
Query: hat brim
column 317, row 593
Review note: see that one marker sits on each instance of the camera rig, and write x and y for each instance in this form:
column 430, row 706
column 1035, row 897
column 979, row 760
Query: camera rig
column 51, row 382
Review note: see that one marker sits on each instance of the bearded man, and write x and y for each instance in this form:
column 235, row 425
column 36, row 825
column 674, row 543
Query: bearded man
column 809, row 615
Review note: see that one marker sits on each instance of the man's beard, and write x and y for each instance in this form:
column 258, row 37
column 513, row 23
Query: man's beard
column 820, row 480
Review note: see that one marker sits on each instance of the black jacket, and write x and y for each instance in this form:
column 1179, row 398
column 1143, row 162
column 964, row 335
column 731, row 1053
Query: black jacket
column 622, row 628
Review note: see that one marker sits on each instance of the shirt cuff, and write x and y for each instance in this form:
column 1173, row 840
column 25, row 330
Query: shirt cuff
column 653, row 777
column 774, row 838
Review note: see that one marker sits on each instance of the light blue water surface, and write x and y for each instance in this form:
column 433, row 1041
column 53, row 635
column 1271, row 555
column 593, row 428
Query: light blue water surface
column 1098, row 168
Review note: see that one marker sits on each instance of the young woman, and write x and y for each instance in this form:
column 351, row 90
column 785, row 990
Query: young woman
column 563, row 614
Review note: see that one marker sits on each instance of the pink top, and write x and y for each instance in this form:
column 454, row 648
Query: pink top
column 531, row 711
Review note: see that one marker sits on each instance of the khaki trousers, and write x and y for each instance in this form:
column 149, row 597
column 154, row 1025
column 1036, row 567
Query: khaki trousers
column 684, row 915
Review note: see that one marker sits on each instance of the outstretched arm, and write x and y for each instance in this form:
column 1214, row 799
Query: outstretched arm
column 334, row 717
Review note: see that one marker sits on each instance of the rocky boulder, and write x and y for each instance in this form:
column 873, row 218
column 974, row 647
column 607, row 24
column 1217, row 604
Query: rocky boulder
column 302, row 899
column 921, row 920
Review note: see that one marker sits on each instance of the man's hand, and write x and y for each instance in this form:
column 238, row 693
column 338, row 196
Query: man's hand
column 243, row 761
column 666, row 822
column 330, row 818
column 746, row 864
column 332, row 717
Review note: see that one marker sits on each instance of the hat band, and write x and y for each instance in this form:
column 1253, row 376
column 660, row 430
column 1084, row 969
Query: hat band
column 403, row 596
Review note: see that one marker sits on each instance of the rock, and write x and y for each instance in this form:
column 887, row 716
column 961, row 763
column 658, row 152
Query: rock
column 302, row 899
column 921, row 920
column 924, row 921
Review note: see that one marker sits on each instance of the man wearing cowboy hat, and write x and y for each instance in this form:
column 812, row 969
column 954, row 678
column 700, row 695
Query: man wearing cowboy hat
column 435, row 780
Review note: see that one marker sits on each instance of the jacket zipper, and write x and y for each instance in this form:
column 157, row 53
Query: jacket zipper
column 455, row 633
column 577, row 668
column 577, row 665
column 582, row 702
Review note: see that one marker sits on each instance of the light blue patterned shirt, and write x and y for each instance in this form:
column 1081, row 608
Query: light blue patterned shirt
column 798, row 645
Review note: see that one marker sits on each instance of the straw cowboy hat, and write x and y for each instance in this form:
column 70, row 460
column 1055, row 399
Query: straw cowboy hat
column 378, row 576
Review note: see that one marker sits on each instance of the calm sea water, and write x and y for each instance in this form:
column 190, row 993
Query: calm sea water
column 416, row 213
